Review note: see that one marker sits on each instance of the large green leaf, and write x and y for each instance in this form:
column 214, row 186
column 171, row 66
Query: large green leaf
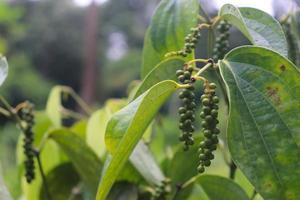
column 85, row 161
column 263, row 128
column 259, row 27
column 61, row 180
column 165, row 70
column 219, row 188
column 3, row 69
column 4, row 193
column 170, row 24
column 126, row 128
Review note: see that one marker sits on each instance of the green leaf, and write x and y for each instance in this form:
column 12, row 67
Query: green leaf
column 170, row 24
column 165, row 70
column 259, row 27
column 219, row 188
column 54, row 106
column 61, row 180
column 144, row 162
column 4, row 193
column 126, row 128
column 85, row 161
column 123, row 190
column 3, row 69
column 263, row 128
column 96, row 131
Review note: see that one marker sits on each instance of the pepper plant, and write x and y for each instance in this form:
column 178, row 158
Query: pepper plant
column 241, row 105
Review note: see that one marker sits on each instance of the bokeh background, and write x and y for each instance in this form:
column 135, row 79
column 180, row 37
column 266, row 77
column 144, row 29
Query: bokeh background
column 95, row 47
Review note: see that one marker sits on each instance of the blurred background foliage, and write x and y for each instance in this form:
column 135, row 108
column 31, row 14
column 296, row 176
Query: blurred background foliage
column 44, row 42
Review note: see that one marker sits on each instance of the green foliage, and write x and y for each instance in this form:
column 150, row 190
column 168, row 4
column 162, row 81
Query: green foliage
column 171, row 22
column 264, row 104
column 250, row 22
column 127, row 148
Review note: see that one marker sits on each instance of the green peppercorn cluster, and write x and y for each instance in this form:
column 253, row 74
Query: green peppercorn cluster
column 209, row 114
column 187, row 110
column 191, row 41
column 162, row 190
column 222, row 44
column 27, row 117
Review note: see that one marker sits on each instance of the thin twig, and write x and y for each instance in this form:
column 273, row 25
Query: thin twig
column 37, row 155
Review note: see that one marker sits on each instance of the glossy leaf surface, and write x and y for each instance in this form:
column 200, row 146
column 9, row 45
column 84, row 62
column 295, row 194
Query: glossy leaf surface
column 170, row 24
column 126, row 127
column 259, row 27
column 263, row 129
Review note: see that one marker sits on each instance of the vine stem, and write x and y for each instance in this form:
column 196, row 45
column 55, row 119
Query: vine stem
column 85, row 107
column 37, row 155
column 18, row 121
column 208, row 65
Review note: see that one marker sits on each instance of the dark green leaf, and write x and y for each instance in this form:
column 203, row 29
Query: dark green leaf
column 85, row 161
column 61, row 180
column 123, row 191
column 170, row 24
column 220, row 188
column 126, row 128
column 259, row 27
column 263, row 128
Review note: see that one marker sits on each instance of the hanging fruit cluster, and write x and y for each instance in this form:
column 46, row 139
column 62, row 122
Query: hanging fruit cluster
column 191, row 41
column 187, row 110
column 209, row 123
column 222, row 44
column 27, row 117
column 162, row 190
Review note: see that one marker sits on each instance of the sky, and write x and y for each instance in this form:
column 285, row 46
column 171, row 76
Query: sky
column 265, row 5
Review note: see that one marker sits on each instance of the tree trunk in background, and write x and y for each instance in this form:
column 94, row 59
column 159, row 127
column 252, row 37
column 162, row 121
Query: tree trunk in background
column 88, row 85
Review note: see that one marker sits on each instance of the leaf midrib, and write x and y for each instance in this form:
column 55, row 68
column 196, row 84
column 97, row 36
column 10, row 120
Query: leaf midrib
column 256, row 125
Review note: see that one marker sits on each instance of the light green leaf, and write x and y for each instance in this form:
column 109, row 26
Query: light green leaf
column 144, row 162
column 83, row 158
column 165, row 70
column 60, row 180
column 170, row 24
column 4, row 193
column 54, row 106
column 3, row 69
column 96, row 131
column 263, row 128
column 126, row 128
column 219, row 188
column 259, row 27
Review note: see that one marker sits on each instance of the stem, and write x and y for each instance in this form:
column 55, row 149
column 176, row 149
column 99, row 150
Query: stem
column 4, row 112
column 198, row 60
column 208, row 65
column 85, row 107
column 205, row 15
column 232, row 168
column 37, row 155
column 210, row 41
column 70, row 113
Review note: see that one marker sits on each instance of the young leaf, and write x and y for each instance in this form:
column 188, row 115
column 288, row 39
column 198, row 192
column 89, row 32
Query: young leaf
column 165, row 70
column 3, row 69
column 170, row 24
column 219, row 188
column 126, row 128
column 259, row 27
column 85, row 161
column 53, row 107
column 263, row 128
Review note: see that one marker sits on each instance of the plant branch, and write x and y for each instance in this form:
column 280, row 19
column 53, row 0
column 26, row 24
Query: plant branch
column 85, row 107
column 37, row 155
